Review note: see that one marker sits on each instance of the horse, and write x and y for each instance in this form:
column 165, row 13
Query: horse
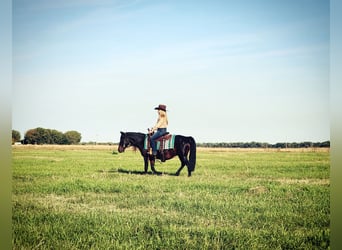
column 183, row 145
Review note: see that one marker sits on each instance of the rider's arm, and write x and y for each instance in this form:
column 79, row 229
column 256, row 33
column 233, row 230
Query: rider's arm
column 158, row 124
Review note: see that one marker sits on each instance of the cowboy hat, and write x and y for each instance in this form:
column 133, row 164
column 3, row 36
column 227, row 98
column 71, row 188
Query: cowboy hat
column 161, row 107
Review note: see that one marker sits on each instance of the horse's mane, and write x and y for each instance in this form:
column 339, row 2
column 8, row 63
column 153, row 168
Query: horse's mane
column 135, row 135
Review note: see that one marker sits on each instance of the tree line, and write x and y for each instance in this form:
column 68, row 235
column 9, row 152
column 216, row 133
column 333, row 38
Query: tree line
column 47, row 136
column 306, row 144
column 52, row 136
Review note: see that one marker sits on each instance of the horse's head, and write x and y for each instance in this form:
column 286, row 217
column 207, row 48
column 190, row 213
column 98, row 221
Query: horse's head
column 124, row 142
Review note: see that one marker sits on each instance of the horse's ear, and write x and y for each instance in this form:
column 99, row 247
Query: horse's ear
column 122, row 132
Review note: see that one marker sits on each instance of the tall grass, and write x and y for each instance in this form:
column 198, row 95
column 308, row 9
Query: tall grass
column 93, row 199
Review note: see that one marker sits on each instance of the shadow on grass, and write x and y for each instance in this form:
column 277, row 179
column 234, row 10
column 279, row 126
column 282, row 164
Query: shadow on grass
column 136, row 172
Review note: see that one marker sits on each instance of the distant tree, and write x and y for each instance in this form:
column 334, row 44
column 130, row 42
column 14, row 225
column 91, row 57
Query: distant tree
column 15, row 136
column 51, row 136
column 280, row 145
column 31, row 136
column 325, row 144
column 37, row 136
column 43, row 136
column 73, row 137
column 57, row 137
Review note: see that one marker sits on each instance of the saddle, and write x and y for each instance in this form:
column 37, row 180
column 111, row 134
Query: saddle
column 164, row 142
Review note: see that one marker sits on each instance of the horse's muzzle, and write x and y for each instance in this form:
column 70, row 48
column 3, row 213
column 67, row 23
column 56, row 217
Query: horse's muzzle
column 121, row 149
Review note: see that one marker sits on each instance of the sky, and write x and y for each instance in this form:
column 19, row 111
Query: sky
column 228, row 71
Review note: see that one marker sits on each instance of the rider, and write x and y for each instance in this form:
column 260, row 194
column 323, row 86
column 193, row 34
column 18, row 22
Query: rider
column 160, row 127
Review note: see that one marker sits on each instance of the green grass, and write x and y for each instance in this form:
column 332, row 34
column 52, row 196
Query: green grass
column 66, row 198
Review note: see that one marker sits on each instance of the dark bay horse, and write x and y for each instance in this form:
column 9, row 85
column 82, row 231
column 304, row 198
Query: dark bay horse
column 183, row 145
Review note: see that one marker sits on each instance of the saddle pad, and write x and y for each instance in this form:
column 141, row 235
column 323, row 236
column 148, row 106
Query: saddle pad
column 168, row 144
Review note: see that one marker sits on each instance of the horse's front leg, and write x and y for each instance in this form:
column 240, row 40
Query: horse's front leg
column 152, row 161
column 146, row 163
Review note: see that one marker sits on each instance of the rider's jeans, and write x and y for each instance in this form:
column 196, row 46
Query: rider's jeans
column 155, row 136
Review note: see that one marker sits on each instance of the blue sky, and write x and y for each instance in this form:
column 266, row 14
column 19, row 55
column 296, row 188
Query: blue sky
column 227, row 70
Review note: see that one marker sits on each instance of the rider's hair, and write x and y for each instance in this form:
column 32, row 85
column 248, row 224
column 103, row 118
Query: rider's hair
column 163, row 114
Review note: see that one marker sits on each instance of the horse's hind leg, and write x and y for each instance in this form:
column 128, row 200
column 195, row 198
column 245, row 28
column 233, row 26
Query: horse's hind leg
column 187, row 163
column 180, row 169
column 184, row 161
column 182, row 166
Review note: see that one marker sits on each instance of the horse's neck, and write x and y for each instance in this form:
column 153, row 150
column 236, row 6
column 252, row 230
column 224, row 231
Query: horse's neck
column 137, row 139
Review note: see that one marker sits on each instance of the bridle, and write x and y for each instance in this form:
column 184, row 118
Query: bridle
column 125, row 144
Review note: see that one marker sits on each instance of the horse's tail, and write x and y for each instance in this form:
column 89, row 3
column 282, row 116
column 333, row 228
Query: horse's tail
column 192, row 156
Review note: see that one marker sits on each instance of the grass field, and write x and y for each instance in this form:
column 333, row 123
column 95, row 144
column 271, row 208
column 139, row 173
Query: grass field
column 89, row 198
